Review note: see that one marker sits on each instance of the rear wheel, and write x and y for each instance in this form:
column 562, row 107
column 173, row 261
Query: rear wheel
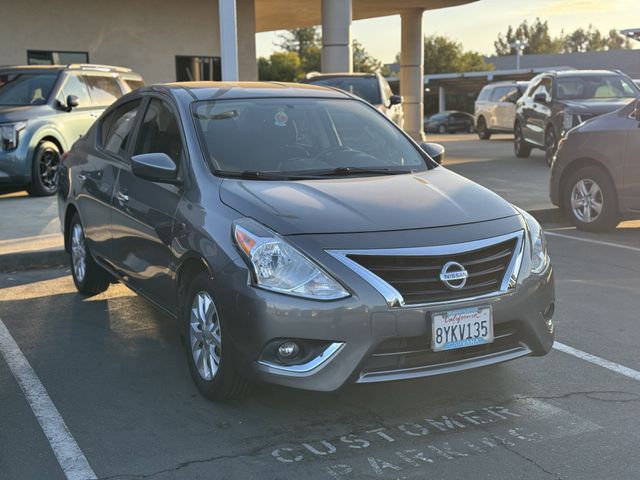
column 88, row 277
column 550, row 145
column 44, row 170
column 591, row 201
column 521, row 148
column 208, row 353
column 442, row 129
column 483, row 131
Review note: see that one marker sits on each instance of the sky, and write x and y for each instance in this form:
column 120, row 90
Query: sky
column 477, row 25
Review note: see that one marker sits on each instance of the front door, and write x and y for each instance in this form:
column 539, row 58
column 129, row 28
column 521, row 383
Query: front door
column 143, row 210
column 74, row 123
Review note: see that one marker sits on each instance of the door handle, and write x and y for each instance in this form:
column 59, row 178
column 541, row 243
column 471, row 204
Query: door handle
column 82, row 177
column 122, row 198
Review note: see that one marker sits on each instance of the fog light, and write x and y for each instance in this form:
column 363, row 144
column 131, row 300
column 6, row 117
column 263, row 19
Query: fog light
column 549, row 324
column 288, row 350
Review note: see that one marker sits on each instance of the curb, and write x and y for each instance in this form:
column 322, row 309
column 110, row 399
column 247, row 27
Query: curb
column 12, row 262
column 33, row 260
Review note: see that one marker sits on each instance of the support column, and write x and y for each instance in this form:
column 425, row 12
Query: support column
column 228, row 39
column 336, row 36
column 247, row 61
column 412, row 73
column 441, row 99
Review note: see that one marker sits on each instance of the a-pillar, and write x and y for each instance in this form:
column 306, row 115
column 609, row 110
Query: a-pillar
column 336, row 36
column 412, row 72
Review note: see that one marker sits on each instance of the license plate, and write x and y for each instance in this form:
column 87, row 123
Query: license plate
column 466, row 327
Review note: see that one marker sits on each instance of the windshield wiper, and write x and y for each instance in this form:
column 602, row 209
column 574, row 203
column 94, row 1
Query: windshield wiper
column 342, row 171
column 252, row 175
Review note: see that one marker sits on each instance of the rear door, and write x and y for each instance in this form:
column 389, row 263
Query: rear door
column 631, row 169
column 99, row 173
column 143, row 211
column 505, row 110
column 74, row 123
column 539, row 111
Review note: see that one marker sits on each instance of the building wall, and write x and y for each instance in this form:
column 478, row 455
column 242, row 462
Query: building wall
column 144, row 35
column 626, row 60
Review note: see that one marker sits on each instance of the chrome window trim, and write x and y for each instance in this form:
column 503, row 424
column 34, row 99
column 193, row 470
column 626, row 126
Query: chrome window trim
column 312, row 364
column 394, row 298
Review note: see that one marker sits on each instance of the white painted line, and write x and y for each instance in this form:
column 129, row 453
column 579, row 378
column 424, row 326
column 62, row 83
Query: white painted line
column 70, row 458
column 589, row 240
column 614, row 367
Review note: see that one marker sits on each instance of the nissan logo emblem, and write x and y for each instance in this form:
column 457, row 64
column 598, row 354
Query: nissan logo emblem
column 454, row 275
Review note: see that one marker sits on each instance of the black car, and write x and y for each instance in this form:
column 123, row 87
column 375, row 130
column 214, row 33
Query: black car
column 555, row 102
column 264, row 218
column 449, row 122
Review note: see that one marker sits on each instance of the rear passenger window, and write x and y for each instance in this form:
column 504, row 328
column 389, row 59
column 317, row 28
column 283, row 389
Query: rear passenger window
column 160, row 132
column 484, row 94
column 120, row 128
column 104, row 90
column 498, row 93
column 133, row 84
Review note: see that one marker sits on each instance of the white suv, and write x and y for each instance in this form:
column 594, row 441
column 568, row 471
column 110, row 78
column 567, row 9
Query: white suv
column 495, row 107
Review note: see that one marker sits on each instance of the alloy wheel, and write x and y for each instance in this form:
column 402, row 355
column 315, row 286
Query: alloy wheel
column 48, row 165
column 586, row 200
column 205, row 336
column 550, row 145
column 78, row 252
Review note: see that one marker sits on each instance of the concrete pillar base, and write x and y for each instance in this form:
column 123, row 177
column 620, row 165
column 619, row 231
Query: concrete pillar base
column 337, row 53
column 412, row 73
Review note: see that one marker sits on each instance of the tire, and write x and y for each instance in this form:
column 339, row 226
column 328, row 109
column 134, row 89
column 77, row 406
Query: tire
column 597, row 183
column 520, row 146
column 443, row 129
column 550, row 145
column 483, row 131
column 214, row 375
column 44, row 168
column 89, row 277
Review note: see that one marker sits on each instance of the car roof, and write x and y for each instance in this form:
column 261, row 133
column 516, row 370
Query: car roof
column 89, row 67
column 236, row 90
column 582, row 73
column 507, row 83
column 313, row 76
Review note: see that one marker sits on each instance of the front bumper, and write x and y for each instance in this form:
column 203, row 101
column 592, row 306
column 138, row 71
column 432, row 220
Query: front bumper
column 15, row 168
column 366, row 340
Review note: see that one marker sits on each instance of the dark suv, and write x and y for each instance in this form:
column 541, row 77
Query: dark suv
column 555, row 102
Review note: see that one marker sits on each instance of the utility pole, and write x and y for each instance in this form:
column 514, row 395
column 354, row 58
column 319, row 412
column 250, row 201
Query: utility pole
column 518, row 46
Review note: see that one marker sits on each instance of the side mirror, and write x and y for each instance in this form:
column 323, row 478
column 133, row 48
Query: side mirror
column 72, row 102
column 434, row 150
column 156, row 167
column 540, row 98
column 395, row 100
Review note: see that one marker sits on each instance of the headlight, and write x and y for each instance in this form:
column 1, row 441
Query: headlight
column 539, row 255
column 280, row 267
column 9, row 134
column 567, row 123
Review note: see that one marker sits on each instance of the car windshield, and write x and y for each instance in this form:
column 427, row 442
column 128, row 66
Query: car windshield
column 25, row 88
column 364, row 87
column 281, row 138
column 595, row 87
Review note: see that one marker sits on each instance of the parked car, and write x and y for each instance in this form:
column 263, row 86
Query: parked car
column 495, row 108
column 449, row 122
column 44, row 110
column 555, row 102
column 637, row 82
column 595, row 176
column 372, row 87
column 300, row 238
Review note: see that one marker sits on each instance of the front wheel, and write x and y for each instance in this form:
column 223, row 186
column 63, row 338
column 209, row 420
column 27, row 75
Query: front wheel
column 483, row 131
column 520, row 147
column 442, row 129
column 550, row 145
column 44, row 170
column 88, row 277
column 591, row 201
column 208, row 350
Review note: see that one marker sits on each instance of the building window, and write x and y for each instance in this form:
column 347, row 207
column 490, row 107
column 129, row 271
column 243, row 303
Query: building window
column 50, row 57
column 194, row 69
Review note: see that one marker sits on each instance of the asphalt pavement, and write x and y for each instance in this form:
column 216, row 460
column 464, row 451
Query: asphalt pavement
column 115, row 371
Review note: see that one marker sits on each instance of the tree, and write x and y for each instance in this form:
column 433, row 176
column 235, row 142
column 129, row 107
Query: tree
column 362, row 60
column 281, row 66
column 307, row 43
column 443, row 55
column 592, row 40
column 535, row 35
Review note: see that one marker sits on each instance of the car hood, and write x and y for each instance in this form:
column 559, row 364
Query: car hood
column 10, row 113
column 434, row 198
column 595, row 107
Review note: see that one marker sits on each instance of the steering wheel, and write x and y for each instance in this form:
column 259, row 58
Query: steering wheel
column 330, row 151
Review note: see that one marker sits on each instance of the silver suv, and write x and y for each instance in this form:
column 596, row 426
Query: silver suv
column 495, row 107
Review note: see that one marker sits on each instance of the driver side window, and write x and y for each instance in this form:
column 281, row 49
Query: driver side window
column 75, row 85
column 160, row 132
column 544, row 87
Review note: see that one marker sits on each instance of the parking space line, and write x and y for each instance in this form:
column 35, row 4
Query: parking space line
column 614, row 367
column 589, row 240
column 70, row 458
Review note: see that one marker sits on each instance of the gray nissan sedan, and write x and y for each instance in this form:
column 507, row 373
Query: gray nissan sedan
column 300, row 238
